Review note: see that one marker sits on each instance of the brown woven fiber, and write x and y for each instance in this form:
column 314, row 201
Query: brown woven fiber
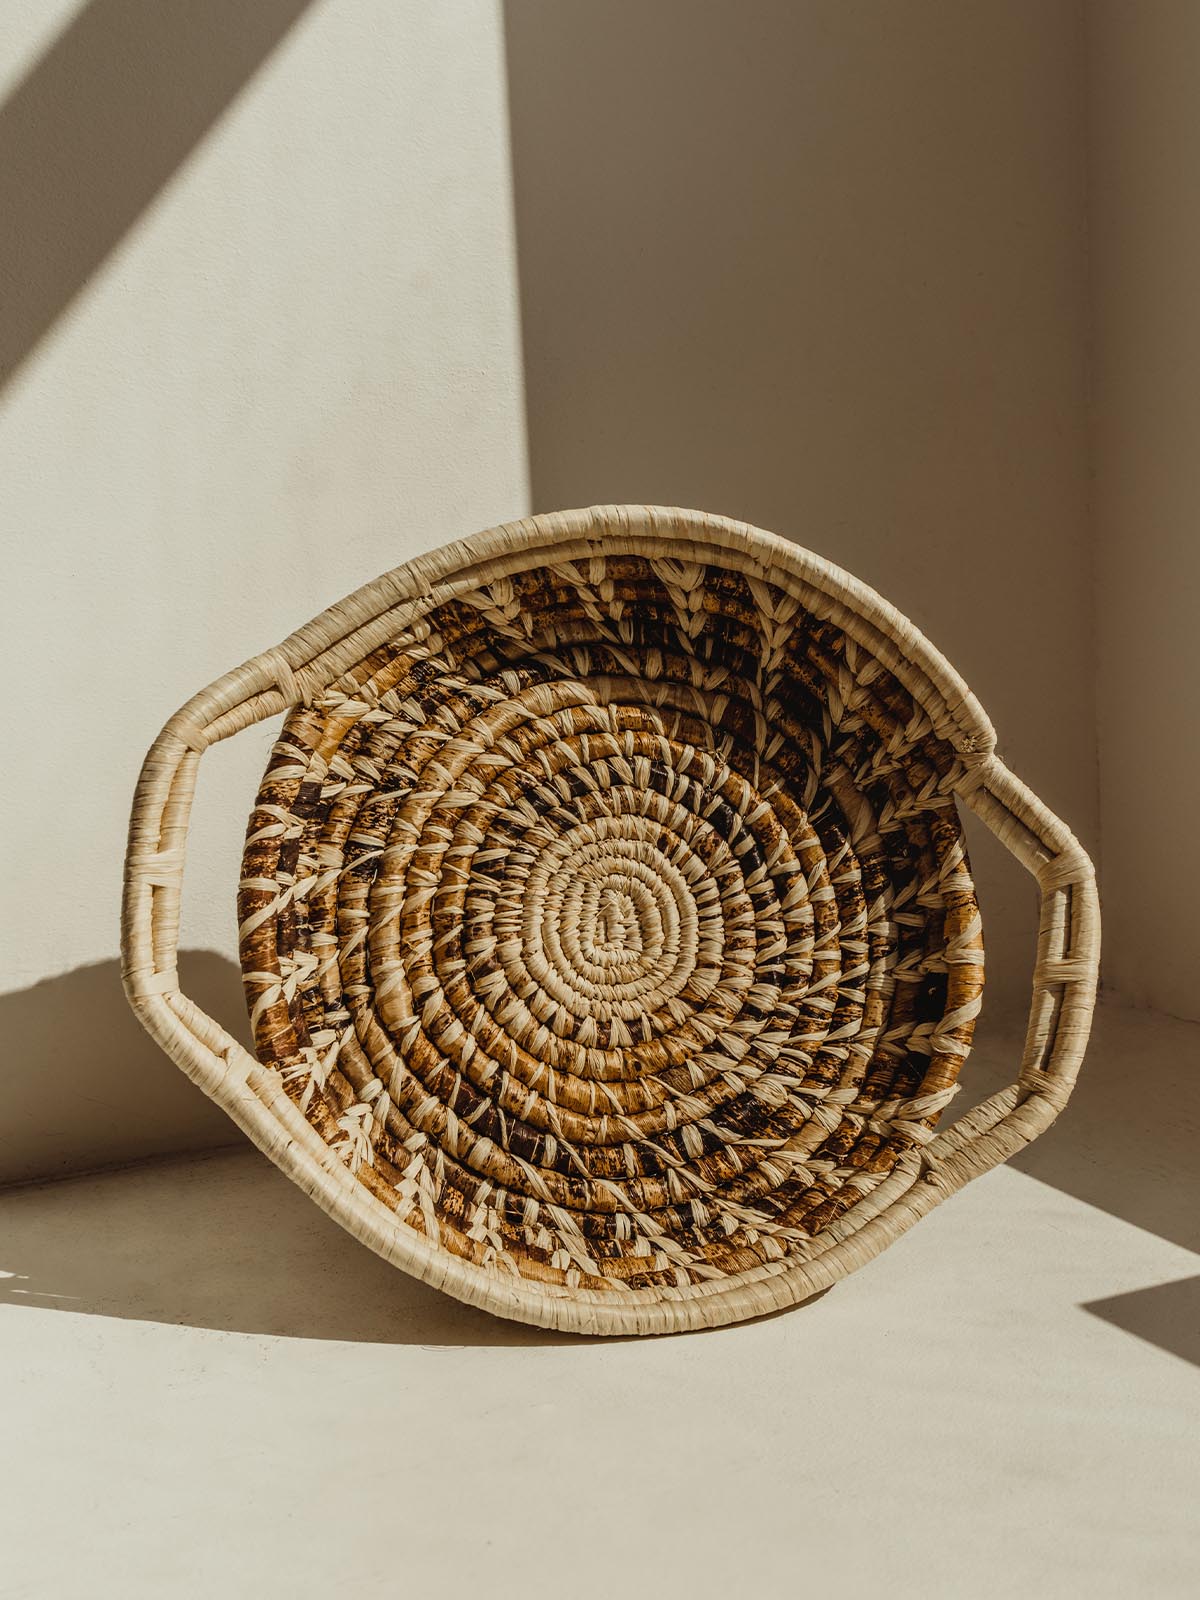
column 606, row 921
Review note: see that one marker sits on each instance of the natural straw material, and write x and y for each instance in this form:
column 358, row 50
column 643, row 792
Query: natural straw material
column 606, row 922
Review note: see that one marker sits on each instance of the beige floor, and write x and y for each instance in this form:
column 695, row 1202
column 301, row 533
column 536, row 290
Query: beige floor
column 207, row 1389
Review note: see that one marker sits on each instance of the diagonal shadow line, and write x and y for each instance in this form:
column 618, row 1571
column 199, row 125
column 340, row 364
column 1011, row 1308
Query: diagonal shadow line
column 97, row 128
column 1166, row 1315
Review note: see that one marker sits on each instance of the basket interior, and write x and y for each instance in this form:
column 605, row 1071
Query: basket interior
column 612, row 923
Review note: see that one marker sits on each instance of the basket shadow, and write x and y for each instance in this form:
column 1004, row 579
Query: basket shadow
column 216, row 1238
column 87, row 1087
column 224, row 1241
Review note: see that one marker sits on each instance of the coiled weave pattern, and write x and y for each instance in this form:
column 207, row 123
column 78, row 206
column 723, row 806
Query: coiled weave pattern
column 612, row 924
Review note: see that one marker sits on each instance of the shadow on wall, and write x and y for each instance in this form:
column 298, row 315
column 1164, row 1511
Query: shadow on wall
column 818, row 267
column 86, row 1086
column 766, row 263
column 98, row 127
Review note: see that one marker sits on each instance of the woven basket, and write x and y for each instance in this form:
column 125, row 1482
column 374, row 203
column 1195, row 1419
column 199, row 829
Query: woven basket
column 607, row 926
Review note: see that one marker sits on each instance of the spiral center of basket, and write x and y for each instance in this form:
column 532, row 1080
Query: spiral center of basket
column 610, row 924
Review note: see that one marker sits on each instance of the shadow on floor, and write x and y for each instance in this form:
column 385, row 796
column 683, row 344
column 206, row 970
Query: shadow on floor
column 1126, row 1142
column 220, row 1241
column 85, row 1086
column 1168, row 1315
column 224, row 1241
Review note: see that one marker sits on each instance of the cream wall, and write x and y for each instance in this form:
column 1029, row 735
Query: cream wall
column 823, row 266
column 1145, row 207
column 300, row 366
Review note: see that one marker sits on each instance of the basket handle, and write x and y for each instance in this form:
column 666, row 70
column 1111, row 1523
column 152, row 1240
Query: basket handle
column 1065, row 978
column 155, row 860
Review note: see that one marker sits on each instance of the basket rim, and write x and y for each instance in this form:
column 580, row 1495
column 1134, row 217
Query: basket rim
column 347, row 629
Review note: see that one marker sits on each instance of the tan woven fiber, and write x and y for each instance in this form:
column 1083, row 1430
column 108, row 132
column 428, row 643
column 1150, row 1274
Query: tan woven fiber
column 606, row 921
